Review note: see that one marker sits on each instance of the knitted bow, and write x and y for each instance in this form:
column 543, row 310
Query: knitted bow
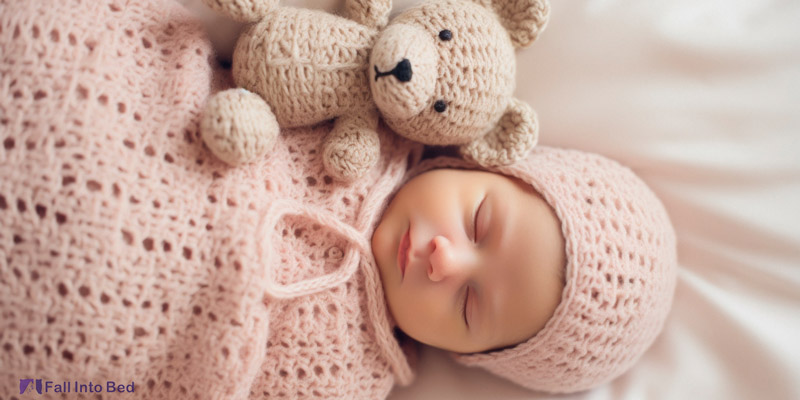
column 359, row 250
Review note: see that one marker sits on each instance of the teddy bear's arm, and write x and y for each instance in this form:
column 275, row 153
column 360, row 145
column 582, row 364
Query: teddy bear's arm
column 243, row 10
column 352, row 147
column 372, row 13
column 509, row 141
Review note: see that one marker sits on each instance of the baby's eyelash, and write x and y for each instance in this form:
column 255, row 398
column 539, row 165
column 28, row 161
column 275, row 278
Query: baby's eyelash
column 475, row 221
column 464, row 306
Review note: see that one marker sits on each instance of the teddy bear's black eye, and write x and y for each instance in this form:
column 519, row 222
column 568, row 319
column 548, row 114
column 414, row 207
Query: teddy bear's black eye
column 440, row 106
column 445, row 34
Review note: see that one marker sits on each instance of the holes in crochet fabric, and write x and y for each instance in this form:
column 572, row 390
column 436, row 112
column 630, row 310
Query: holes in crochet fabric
column 84, row 291
column 83, row 92
column 67, row 355
column 93, row 185
column 8, row 144
column 127, row 237
column 62, row 289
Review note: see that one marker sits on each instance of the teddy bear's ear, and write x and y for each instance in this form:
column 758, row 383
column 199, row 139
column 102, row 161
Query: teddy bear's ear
column 509, row 141
column 524, row 19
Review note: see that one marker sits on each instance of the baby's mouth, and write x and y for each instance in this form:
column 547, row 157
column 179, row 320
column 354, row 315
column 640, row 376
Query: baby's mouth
column 402, row 253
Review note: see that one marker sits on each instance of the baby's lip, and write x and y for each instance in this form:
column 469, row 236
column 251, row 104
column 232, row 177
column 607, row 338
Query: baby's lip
column 403, row 251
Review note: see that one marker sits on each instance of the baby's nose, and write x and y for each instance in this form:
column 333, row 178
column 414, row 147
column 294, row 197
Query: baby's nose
column 446, row 260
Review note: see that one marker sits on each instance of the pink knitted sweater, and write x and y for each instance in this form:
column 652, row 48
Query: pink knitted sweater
column 128, row 253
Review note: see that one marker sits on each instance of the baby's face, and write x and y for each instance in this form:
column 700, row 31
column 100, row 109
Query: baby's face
column 470, row 261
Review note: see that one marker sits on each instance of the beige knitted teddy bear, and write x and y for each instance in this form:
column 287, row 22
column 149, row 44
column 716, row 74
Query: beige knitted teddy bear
column 440, row 73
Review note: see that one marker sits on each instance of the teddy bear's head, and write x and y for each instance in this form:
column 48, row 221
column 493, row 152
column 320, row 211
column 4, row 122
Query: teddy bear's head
column 443, row 73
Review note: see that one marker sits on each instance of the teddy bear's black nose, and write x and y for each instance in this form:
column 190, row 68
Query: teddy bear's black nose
column 401, row 71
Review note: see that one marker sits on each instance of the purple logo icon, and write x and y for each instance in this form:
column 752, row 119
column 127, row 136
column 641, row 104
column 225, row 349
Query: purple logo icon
column 24, row 383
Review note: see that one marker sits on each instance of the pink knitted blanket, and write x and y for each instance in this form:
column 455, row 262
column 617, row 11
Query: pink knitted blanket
column 130, row 256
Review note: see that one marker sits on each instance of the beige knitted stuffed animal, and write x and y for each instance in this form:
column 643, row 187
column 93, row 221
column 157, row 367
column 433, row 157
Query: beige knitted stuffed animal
column 440, row 73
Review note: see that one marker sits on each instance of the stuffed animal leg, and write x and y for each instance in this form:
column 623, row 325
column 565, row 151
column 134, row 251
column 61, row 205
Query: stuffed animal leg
column 353, row 146
column 238, row 126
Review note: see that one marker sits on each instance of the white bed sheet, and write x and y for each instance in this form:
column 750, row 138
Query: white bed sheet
column 702, row 99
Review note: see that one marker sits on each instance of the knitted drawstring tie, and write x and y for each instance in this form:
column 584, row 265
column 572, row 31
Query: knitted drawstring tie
column 358, row 251
column 358, row 246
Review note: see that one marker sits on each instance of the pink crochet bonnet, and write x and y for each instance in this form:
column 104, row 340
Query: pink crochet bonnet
column 619, row 278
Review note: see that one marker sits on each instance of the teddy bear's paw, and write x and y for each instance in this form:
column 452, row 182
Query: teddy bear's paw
column 509, row 141
column 243, row 10
column 238, row 126
column 348, row 154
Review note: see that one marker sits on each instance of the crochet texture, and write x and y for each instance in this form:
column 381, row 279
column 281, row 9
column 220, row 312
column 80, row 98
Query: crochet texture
column 129, row 253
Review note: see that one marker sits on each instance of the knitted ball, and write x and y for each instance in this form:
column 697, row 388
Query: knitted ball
column 620, row 273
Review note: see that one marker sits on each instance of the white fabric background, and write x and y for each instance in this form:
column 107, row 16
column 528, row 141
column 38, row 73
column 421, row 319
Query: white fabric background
column 702, row 99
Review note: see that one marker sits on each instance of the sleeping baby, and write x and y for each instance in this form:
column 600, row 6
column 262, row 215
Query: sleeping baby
column 131, row 258
column 556, row 273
